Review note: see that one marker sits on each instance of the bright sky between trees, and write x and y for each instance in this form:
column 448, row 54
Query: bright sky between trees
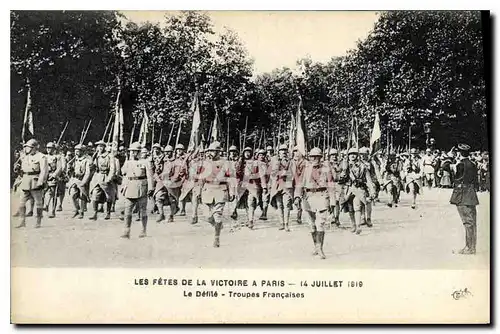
column 277, row 39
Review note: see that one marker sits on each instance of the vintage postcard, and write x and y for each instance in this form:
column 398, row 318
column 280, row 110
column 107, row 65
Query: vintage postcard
column 250, row 167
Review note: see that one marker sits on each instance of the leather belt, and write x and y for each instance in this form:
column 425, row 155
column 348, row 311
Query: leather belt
column 137, row 178
column 464, row 185
column 215, row 183
column 33, row 173
column 317, row 190
column 104, row 171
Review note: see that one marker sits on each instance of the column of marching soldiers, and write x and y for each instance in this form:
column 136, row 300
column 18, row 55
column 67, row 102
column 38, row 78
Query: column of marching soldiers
column 323, row 184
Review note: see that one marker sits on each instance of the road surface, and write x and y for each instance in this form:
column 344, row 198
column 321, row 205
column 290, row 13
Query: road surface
column 401, row 238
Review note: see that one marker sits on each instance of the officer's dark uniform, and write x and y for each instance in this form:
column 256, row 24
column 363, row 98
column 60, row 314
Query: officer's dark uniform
column 465, row 198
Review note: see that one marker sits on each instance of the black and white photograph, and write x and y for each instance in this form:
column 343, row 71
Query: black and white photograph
column 250, row 140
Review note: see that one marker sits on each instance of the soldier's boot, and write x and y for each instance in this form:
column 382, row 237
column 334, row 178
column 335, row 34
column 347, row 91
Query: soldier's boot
column 313, row 235
column 144, row 227
column 194, row 220
column 112, row 206
column 321, row 238
column 234, row 215
column 80, row 215
column 159, row 207
column 282, row 221
column 218, row 228
column 470, row 246
column 466, row 248
column 353, row 221
column 95, row 207
column 250, row 224
column 21, row 211
column 183, row 208
column 263, row 216
column 369, row 222
column 170, row 218
column 30, row 213
column 357, row 218
column 473, row 240
column 128, row 223
column 413, row 203
column 52, row 213
column 299, row 216
column 108, row 210
column 39, row 213
column 287, row 226
column 59, row 206
column 76, row 205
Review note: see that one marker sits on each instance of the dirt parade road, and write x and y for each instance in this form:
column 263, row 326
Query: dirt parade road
column 401, row 238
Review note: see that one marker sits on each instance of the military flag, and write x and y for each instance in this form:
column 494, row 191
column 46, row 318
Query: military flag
column 376, row 135
column 300, row 135
column 143, row 132
column 194, row 139
column 28, row 116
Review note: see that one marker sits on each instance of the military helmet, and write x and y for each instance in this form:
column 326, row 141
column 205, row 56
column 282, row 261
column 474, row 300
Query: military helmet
column 247, row 149
column 269, row 148
column 413, row 151
column 51, row 145
column 79, row 147
column 283, row 147
column 100, row 143
column 364, row 150
column 261, row 151
column 144, row 150
column 89, row 144
column 295, row 148
column 157, row 145
column 215, row 146
column 31, row 143
column 135, row 147
column 315, row 152
column 179, row 147
column 333, row 151
column 233, row 149
column 353, row 150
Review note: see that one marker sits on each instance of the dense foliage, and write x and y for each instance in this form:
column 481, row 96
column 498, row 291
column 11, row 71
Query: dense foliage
column 413, row 67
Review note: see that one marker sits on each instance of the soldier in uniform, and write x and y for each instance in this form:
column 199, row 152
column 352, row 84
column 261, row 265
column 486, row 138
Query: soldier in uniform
column 298, row 165
column 314, row 186
column 181, row 161
column 392, row 183
column 359, row 189
column 35, row 172
column 282, row 179
column 428, row 168
column 412, row 177
column 138, row 186
column 233, row 153
column 270, row 153
column 101, row 189
column 254, row 183
column 192, row 185
column 266, row 197
column 465, row 198
column 218, row 187
column 172, row 177
column 160, row 192
column 364, row 154
column 55, row 166
column 337, row 193
column 78, row 185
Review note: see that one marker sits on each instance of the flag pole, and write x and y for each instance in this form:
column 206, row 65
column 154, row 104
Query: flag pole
column 171, row 133
column 178, row 133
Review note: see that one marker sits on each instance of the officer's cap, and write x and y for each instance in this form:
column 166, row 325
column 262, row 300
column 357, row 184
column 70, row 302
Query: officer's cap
column 464, row 147
column 134, row 147
column 31, row 143
column 315, row 152
column 353, row 150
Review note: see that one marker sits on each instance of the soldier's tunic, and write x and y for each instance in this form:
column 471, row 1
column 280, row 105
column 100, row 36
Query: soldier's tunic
column 358, row 187
column 315, row 185
column 428, row 169
column 35, row 173
column 173, row 176
column 465, row 198
column 160, row 194
column 101, row 188
column 336, row 192
column 78, row 184
column 139, row 179
column 54, row 181
column 412, row 177
column 218, row 185
column 253, row 182
column 392, row 183
column 190, row 190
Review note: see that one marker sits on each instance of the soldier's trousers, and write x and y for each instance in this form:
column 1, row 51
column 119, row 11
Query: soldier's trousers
column 215, row 211
column 78, row 202
column 468, row 214
column 35, row 195
column 141, row 202
column 316, row 206
column 50, row 193
column 252, row 202
column 284, row 204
